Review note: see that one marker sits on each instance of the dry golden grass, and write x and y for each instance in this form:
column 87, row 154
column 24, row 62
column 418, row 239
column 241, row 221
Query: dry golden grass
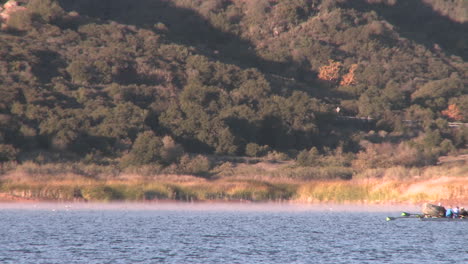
column 262, row 181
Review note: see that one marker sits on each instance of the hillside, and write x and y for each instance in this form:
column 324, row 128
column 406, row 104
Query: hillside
column 180, row 84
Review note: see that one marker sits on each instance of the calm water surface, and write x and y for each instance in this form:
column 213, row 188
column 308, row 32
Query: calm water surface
column 223, row 234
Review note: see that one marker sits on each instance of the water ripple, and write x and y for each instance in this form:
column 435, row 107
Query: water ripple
column 91, row 236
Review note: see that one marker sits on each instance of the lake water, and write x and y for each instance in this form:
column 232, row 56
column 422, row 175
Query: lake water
column 223, row 233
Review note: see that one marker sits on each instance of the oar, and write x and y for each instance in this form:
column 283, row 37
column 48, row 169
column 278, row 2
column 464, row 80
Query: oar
column 405, row 214
column 390, row 218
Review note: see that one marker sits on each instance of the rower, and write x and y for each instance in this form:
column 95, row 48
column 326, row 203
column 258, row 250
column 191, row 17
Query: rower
column 463, row 213
column 449, row 212
column 456, row 212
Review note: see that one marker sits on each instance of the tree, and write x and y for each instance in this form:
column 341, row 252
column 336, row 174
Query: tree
column 453, row 112
column 171, row 151
column 123, row 121
column 291, row 12
column 48, row 10
column 80, row 72
column 198, row 165
column 145, row 150
column 372, row 104
column 255, row 150
column 309, row 157
column 462, row 104
column 330, row 72
column 448, row 87
column 7, row 153
column 63, row 128
column 349, row 78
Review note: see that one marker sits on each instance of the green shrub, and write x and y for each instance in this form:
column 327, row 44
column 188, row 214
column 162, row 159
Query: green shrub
column 277, row 156
column 7, row 153
column 48, row 10
column 320, row 173
column 198, row 165
column 80, row 71
column 170, row 152
column 156, row 191
column 101, row 193
column 183, row 193
column 446, row 147
column 255, row 150
column 146, row 149
column 309, row 158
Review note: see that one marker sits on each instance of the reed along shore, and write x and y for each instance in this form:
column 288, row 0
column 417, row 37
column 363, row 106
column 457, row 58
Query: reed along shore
column 282, row 184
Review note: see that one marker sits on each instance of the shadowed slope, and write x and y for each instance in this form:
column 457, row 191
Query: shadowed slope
column 185, row 26
column 418, row 21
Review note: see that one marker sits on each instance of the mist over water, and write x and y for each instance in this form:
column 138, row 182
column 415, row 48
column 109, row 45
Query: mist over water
column 210, row 206
column 223, row 233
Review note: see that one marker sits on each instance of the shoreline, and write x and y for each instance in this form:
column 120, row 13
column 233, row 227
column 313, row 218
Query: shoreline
column 220, row 203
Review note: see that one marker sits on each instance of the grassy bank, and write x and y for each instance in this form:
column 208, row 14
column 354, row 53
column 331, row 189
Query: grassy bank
column 195, row 190
column 250, row 182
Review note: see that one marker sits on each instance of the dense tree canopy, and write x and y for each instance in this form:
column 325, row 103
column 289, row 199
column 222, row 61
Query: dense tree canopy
column 229, row 77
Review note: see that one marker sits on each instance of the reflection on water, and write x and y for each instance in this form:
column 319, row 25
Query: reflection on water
column 222, row 233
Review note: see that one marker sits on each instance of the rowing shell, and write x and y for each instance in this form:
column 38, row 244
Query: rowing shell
column 445, row 219
column 429, row 219
column 422, row 217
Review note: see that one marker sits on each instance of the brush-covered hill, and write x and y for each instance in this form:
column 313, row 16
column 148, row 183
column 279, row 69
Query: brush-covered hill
column 146, row 81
